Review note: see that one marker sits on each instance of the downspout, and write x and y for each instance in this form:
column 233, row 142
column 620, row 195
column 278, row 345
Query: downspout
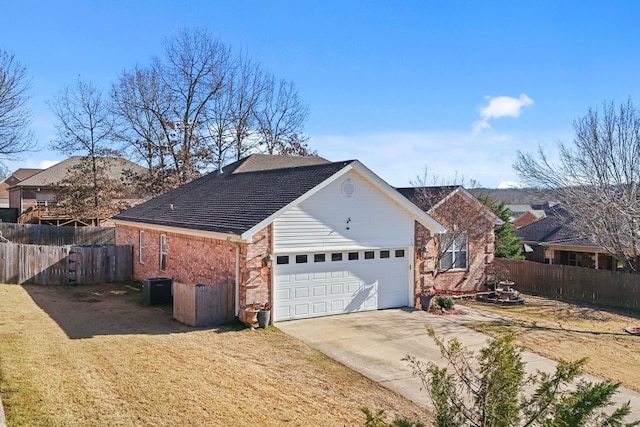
column 237, row 287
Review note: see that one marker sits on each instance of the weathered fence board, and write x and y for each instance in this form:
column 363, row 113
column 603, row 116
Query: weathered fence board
column 60, row 265
column 203, row 305
column 565, row 282
column 36, row 234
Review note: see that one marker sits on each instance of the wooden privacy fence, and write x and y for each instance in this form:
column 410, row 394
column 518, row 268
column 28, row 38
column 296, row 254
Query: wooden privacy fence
column 203, row 305
column 36, row 234
column 579, row 284
column 56, row 265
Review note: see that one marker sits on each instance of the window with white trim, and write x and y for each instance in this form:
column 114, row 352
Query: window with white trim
column 454, row 252
column 163, row 252
column 141, row 247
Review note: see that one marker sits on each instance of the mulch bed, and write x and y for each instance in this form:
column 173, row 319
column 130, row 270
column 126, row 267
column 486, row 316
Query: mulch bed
column 446, row 312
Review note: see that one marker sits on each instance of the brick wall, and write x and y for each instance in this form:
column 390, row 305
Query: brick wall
column 480, row 254
column 190, row 259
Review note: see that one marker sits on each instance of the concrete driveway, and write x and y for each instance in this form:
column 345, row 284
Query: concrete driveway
column 374, row 343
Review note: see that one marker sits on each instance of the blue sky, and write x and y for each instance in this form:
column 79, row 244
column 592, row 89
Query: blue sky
column 457, row 87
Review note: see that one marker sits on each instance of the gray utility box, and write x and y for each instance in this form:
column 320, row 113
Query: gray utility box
column 157, row 291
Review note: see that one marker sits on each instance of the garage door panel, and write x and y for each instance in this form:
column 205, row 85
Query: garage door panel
column 323, row 288
column 320, row 308
column 353, row 287
column 337, row 289
column 301, row 310
column 320, row 291
column 337, row 306
column 302, row 293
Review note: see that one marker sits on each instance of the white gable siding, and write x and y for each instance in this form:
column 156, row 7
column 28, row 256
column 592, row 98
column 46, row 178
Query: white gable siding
column 332, row 220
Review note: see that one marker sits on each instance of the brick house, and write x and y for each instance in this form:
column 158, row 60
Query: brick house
column 17, row 176
column 460, row 263
column 35, row 195
column 308, row 236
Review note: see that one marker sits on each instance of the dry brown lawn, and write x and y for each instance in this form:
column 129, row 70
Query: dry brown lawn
column 560, row 330
column 95, row 356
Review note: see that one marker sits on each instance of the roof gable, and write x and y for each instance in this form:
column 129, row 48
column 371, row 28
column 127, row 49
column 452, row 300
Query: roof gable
column 230, row 202
column 58, row 172
column 433, row 197
column 241, row 200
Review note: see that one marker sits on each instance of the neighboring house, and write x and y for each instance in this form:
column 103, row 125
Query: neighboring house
column 35, row 196
column 307, row 236
column 16, row 177
column 522, row 215
column 553, row 242
column 461, row 265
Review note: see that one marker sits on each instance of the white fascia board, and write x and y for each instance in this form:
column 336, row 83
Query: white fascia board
column 248, row 235
column 421, row 216
column 178, row 230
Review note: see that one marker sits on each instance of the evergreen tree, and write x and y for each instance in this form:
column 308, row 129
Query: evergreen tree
column 507, row 243
column 488, row 389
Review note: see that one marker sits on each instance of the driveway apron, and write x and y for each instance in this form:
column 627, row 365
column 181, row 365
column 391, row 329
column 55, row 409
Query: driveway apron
column 374, row 343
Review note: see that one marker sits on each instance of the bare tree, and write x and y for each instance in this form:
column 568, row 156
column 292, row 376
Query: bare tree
column 195, row 71
column 281, row 119
column 84, row 127
column 15, row 117
column 248, row 90
column 199, row 106
column 78, row 197
column 597, row 179
column 141, row 106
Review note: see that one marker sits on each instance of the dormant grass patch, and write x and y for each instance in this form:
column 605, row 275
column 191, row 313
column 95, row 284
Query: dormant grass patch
column 559, row 330
column 95, row 356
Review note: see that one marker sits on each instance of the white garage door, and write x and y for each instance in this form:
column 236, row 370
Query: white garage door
column 324, row 283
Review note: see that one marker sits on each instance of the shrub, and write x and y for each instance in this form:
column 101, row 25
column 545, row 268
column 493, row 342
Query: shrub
column 488, row 389
column 445, row 302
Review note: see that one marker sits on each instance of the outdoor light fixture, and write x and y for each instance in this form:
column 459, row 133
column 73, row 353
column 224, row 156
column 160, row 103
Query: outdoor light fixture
column 423, row 252
column 268, row 260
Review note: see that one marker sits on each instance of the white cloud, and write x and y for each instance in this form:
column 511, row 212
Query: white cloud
column 500, row 106
column 511, row 184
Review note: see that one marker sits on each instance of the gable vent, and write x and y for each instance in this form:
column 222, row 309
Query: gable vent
column 348, row 188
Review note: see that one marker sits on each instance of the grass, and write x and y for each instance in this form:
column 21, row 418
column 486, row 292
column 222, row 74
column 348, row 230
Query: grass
column 566, row 331
column 93, row 356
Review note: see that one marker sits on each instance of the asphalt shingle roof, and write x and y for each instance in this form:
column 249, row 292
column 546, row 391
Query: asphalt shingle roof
column 427, row 195
column 247, row 192
column 57, row 172
column 17, row 176
column 554, row 229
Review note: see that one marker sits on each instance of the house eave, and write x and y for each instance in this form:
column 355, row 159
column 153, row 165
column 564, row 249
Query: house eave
column 179, row 230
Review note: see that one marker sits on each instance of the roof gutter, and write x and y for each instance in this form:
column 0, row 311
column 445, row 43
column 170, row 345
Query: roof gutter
column 178, row 230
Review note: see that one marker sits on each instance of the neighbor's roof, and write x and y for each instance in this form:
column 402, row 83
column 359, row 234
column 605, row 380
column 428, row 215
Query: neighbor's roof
column 57, row 172
column 553, row 230
column 17, row 176
column 247, row 192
